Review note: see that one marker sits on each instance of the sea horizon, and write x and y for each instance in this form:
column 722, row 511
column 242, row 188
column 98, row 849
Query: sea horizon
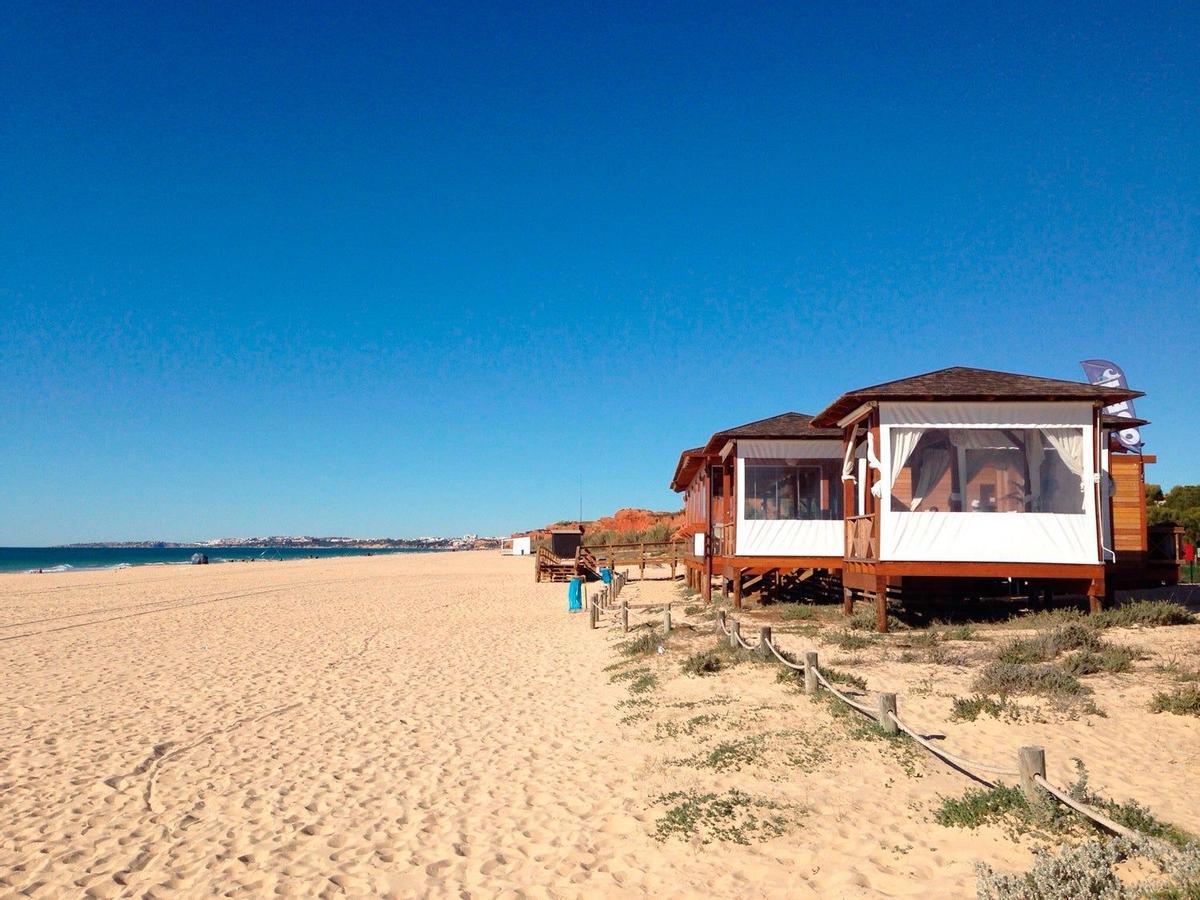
column 78, row 558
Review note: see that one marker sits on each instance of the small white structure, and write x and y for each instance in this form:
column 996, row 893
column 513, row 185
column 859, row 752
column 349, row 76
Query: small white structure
column 522, row 546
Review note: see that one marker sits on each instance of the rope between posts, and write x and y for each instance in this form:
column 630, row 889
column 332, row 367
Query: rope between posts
column 966, row 764
column 865, row 710
column 799, row 667
column 1099, row 818
column 743, row 643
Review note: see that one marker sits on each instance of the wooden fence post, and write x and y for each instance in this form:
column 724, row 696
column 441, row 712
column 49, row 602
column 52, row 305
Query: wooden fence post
column 625, row 615
column 810, row 673
column 887, row 709
column 764, row 638
column 721, row 620
column 593, row 616
column 667, row 619
column 1031, row 761
column 735, row 631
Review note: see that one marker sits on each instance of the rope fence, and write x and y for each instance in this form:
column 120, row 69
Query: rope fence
column 1031, row 768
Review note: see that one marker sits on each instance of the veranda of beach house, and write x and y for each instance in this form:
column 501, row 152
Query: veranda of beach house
column 962, row 475
column 763, row 504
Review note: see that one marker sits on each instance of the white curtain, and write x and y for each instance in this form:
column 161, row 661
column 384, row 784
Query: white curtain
column 848, row 462
column 873, row 461
column 1068, row 442
column 934, row 465
column 904, row 442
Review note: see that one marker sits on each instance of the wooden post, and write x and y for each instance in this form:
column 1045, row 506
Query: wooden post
column 737, row 589
column 667, row 619
column 887, row 709
column 881, row 624
column 811, row 686
column 764, row 638
column 1096, row 595
column 625, row 616
column 721, row 620
column 706, row 580
column 847, row 602
column 735, row 631
column 1031, row 761
column 643, row 560
column 593, row 616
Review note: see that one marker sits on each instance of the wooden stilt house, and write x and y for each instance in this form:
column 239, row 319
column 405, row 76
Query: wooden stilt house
column 964, row 475
column 763, row 504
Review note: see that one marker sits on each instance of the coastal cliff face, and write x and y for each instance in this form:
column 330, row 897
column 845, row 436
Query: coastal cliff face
column 623, row 521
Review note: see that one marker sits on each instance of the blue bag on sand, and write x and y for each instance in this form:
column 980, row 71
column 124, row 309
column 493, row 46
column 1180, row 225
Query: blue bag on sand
column 575, row 595
column 606, row 574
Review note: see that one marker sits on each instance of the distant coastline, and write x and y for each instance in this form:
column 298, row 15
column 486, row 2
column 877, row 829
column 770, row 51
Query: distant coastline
column 123, row 555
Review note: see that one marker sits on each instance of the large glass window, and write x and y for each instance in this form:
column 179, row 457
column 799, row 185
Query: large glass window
column 777, row 489
column 987, row 470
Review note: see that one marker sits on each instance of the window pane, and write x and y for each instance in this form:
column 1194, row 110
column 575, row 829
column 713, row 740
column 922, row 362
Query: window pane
column 987, row 470
column 778, row 490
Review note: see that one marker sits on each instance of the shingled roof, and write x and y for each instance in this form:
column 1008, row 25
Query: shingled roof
column 963, row 383
column 785, row 426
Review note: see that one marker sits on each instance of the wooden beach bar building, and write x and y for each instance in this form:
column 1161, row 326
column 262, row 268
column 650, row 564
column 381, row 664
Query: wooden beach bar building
column 967, row 475
column 763, row 505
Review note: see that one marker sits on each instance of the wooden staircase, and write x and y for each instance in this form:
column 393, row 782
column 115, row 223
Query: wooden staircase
column 552, row 568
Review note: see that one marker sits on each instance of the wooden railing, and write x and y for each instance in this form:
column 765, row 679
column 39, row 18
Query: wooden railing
column 862, row 542
column 642, row 554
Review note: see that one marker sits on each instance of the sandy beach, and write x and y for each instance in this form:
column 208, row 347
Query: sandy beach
column 438, row 725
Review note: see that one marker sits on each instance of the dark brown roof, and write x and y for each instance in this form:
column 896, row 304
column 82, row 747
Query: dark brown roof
column 1119, row 423
column 785, row 426
column 963, row 383
column 685, row 469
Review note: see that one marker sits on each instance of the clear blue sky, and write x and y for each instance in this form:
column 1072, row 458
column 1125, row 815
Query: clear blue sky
column 399, row 270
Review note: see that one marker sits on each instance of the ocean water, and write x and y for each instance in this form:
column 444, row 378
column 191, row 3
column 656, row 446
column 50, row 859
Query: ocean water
column 67, row 559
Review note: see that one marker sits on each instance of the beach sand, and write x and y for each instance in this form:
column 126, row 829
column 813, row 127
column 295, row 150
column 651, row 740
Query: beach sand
column 438, row 725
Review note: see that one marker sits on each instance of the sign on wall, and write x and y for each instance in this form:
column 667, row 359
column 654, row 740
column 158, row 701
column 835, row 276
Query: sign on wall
column 1108, row 374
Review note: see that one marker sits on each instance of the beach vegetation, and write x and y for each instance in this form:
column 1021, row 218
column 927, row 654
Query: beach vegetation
column 733, row 816
column 796, row 612
column 706, row 662
column 1184, row 701
column 968, row 709
column 849, row 641
column 647, row 681
column 1029, row 679
column 644, row 644
column 1089, row 869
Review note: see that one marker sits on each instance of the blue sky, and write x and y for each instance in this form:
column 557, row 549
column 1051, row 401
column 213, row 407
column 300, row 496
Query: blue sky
column 398, row 270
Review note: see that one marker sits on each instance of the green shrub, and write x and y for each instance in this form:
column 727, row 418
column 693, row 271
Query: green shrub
column 1147, row 613
column 849, row 641
column 839, row 677
column 733, row 816
column 1184, row 701
column 643, row 683
column 863, row 619
column 644, row 644
column 1019, row 678
column 1106, row 657
column 959, row 633
column 968, row 709
column 792, row 612
column 706, row 662
column 981, row 807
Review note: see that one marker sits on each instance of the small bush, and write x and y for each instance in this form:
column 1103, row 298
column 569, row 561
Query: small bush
column 1046, row 646
column 733, row 816
column 863, row 619
column 1184, row 701
column 703, row 663
column 981, row 807
column 1147, row 613
column 968, row 709
column 1043, row 680
column 643, row 683
column 849, row 641
column 960, row 633
column 839, row 677
column 793, row 612
column 643, row 645
column 1106, row 657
